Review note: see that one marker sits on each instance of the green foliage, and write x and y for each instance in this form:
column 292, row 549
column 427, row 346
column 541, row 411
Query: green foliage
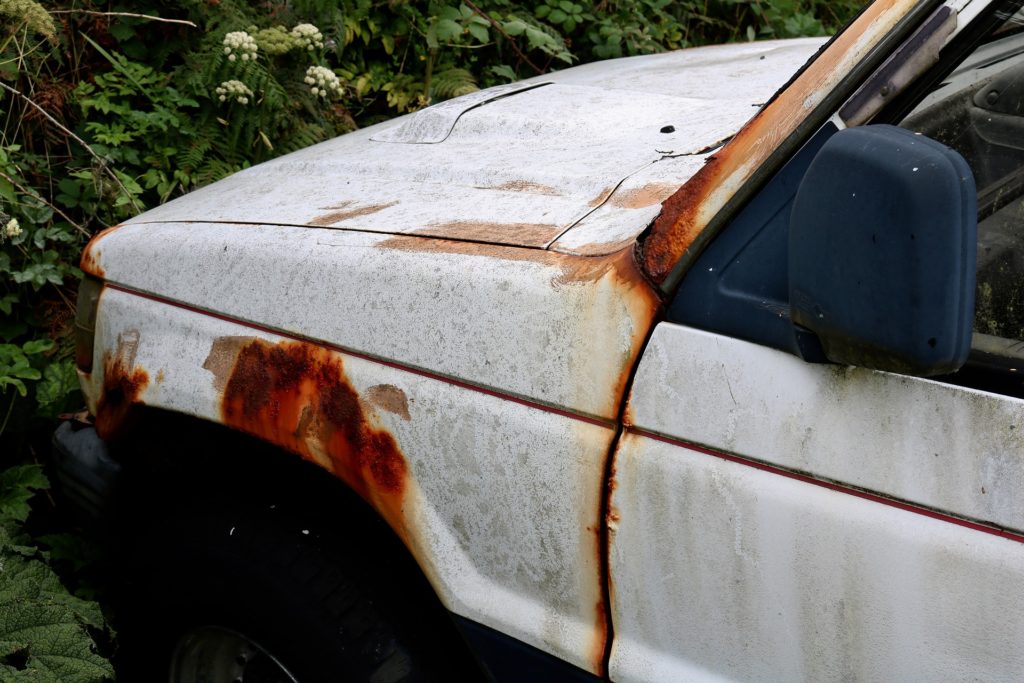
column 46, row 633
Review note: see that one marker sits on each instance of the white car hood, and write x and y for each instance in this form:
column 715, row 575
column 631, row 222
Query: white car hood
column 577, row 161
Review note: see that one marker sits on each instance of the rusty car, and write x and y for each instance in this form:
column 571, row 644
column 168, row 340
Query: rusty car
column 704, row 365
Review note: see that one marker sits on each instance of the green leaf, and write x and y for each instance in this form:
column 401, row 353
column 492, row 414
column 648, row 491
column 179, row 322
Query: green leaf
column 17, row 486
column 43, row 622
column 479, row 32
column 515, row 27
column 504, row 71
column 447, row 29
column 31, row 348
column 59, row 379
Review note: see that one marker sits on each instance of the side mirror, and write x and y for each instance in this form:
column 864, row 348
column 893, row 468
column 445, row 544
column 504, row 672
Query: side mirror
column 882, row 249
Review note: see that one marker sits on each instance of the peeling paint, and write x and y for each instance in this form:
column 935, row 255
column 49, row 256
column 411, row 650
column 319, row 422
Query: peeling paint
column 346, row 214
column 296, row 395
column 389, row 398
column 221, row 359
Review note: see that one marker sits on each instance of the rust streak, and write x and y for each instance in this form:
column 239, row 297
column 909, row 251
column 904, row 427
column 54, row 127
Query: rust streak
column 123, row 384
column 389, row 398
column 296, row 395
column 532, row 234
column 339, row 216
column 687, row 213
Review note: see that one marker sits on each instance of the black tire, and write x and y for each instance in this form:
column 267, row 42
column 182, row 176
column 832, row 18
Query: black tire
column 288, row 585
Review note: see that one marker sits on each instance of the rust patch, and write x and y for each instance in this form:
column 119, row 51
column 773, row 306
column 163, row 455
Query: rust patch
column 90, row 262
column 160, row 376
column 389, row 398
column 123, row 384
column 346, row 214
column 526, row 187
column 689, row 211
column 601, row 198
column 296, row 395
column 642, row 197
column 677, row 226
column 527, row 234
column 574, row 269
column 221, row 359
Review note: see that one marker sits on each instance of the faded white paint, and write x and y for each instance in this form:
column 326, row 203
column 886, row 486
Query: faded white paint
column 724, row 572
column 503, row 499
column 937, row 445
column 562, row 341
column 520, row 164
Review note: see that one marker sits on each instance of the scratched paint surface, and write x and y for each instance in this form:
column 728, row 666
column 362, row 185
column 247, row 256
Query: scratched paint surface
column 519, row 170
column 497, row 501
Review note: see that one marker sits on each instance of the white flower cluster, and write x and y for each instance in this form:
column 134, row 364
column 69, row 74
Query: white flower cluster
column 242, row 43
column 323, row 80
column 307, row 37
column 12, row 229
column 234, row 89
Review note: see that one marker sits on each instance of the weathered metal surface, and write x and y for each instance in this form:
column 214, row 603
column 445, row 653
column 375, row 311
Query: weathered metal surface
column 434, row 124
column 297, row 395
column 519, row 169
column 556, row 329
column 726, row 572
column 687, row 213
column 91, row 254
column 933, row 444
column 497, row 500
column 619, row 211
column 123, row 383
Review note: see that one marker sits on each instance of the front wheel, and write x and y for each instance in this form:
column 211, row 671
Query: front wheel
column 252, row 592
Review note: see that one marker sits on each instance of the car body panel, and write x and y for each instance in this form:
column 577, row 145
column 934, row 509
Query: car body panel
column 498, row 501
column 723, row 571
column 812, row 522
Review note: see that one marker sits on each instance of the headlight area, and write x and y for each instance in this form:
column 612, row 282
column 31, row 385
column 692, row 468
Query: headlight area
column 85, row 321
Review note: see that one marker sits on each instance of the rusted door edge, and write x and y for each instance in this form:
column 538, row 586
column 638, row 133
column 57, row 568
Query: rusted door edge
column 696, row 212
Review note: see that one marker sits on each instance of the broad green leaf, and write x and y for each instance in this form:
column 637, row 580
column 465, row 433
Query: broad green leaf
column 479, row 32
column 447, row 29
column 17, row 486
column 42, row 622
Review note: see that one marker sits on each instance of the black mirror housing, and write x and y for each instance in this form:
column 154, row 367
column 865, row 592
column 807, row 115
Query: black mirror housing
column 882, row 252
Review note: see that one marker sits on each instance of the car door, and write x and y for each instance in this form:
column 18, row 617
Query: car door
column 775, row 519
